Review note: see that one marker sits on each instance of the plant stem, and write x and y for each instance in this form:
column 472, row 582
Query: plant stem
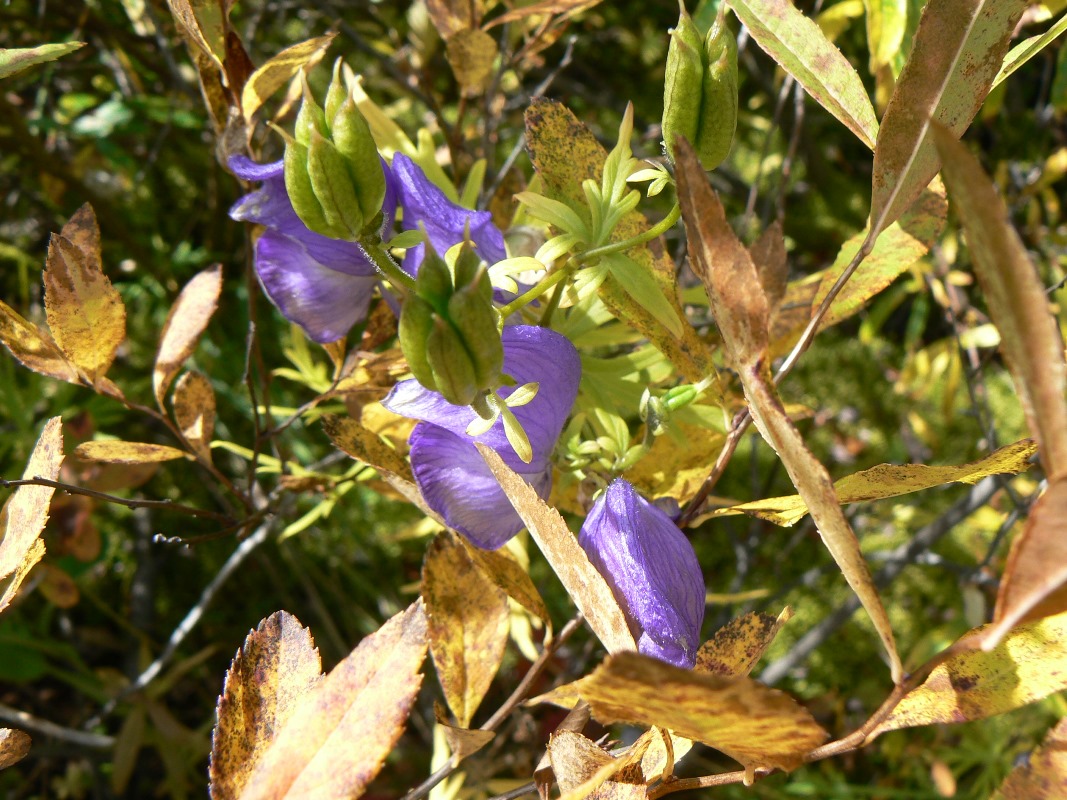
column 385, row 265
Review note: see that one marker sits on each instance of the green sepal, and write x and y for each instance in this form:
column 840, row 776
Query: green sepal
column 334, row 188
column 682, row 82
column 310, row 118
column 718, row 100
column 476, row 320
column 416, row 324
column 453, row 371
column 301, row 192
column 434, row 280
column 352, row 137
column 336, row 94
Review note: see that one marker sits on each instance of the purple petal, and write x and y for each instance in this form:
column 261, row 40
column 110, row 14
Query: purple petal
column 322, row 301
column 443, row 220
column 456, row 483
column 652, row 570
column 531, row 354
column 248, row 170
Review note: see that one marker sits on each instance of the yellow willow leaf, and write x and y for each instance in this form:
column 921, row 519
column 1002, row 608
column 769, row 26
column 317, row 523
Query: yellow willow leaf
column 365, row 445
column 15, row 59
column 14, row 746
column 268, row 678
column 677, row 472
column 111, row 451
column 741, row 314
column 33, row 347
column 586, row 587
column 739, row 644
column 1029, row 664
column 752, row 723
column 204, row 26
column 194, row 411
column 85, row 312
column 24, row 514
column 1043, row 776
column 509, row 575
column 185, row 323
column 565, row 153
column 471, row 54
column 543, row 7
column 338, row 736
column 278, row 71
column 469, row 620
column 891, row 480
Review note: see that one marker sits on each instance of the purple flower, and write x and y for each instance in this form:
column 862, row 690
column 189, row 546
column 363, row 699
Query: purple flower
column 324, row 285
column 450, row 473
column 652, row 571
column 443, row 220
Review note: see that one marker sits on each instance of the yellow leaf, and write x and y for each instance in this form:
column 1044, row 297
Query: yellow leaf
column 509, row 575
column 586, row 587
column 24, row 514
column 677, row 472
column 752, row 723
column 468, row 625
column 1028, row 664
column 338, row 736
column 892, row 480
column 194, row 411
column 278, row 71
column 111, row 451
column 85, row 312
column 185, row 323
column 269, row 677
column 33, row 347
column 365, row 445
column 14, row 746
column 464, row 742
column 1043, row 776
column 471, row 54
column 739, row 644
column 583, row 769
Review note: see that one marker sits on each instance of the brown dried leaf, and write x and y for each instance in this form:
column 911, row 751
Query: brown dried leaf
column 194, row 411
column 450, row 17
column 575, row 759
column 1043, row 776
column 565, row 8
column 14, row 746
column 769, row 256
column 185, row 323
column 957, row 52
column 57, row 587
column 278, row 71
column 111, row 451
column 268, row 679
column 508, row 574
column 750, row 722
column 365, row 445
column 468, row 620
column 464, row 742
column 85, row 312
column 586, row 587
column 739, row 644
column 32, row 347
column 24, row 514
column 337, row 739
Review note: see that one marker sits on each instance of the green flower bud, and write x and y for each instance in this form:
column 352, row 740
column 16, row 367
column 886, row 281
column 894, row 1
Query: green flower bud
column 337, row 92
column 352, row 137
column 683, row 81
column 300, row 190
column 416, row 323
column 310, row 118
column 334, row 189
column 476, row 320
column 434, row 280
column 453, row 371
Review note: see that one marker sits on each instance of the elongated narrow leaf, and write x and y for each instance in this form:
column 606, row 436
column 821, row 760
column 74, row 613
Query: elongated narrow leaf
column 337, row 738
column 586, row 587
column 468, row 623
column 1028, row 664
column 1024, row 51
column 269, row 677
column 278, row 71
column 185, row 324
column 739, row 644
column 33, row 347
column 959, row 46
column 16, row 59
column 112, row 451
column 26, row 511
column 802, row 49
column 741, row 313
column 1042, row 776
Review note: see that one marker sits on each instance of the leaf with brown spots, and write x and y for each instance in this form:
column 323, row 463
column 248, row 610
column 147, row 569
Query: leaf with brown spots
column 269, row 677
column 509, row 575
column 1028, row 664
column 468, row 620
column 85, row 312
column 339, row 734
column 24, row 514
column 185, row 324
column 14, row 746
column 33, row 347
column 363, row 444
column 1043, row 776
column 739, row 644
column 752, row 723
column 112, row 451
column 583, row 769
column 278, row 71
column 194, row 411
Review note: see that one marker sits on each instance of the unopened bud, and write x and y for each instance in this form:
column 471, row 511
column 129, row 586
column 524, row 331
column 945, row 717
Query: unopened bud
column 453, row 371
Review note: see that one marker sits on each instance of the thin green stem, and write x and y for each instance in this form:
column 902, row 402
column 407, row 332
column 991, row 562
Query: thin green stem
column 389, row 269
column 530, row 295
column 655, row 231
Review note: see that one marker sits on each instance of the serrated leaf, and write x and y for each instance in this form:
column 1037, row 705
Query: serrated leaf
column 112, row 451
column 468, row 620
column 278, row 71
column 24, row 514
column 1042, row 776
column 14, row 746
column 892, row 480
column 274, row 669
column 802, row 49
column 85, row 312
column 338, row 736
column 16, row 59
column 32, row 347
column 1028, row 664
column 739, row 644
column 194, row 411
column 958, row 48
column 586, row 587
column 185, row 324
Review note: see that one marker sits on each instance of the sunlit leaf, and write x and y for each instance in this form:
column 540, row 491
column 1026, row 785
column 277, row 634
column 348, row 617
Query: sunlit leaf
column 471, row 54
column 14, row 746
column 509, row 575
column 468, row 620
column 185, row 324
column 338, row 736
column 194, row 411
column 33, row 347
column 583, row 769
column 1026, row 50
column 364, row 445
column 542, row 7
column 112, row 451
column 1042, row 776
column 269, row 677
column 739, row 644
column 24, row 514
column 802, row 49
column 278, row 71
column 16, row 59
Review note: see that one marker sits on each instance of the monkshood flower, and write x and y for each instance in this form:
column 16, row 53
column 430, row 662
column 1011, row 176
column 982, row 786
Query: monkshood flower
column 652, row 571
column 444, row 222
column 450, row 473
column 324, row 285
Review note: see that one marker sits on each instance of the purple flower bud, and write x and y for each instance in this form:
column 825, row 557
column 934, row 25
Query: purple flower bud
column 450, row 473
column 324, row 285
column 652, row 571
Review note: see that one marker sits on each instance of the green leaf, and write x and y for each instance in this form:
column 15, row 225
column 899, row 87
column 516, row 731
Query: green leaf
column 16, row 59
column 644, row 290
column 1027, row 49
